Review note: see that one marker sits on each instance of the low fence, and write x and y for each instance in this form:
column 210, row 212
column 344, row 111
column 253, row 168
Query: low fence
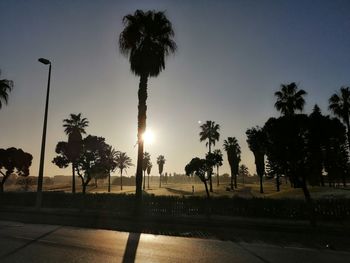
column 324, row 209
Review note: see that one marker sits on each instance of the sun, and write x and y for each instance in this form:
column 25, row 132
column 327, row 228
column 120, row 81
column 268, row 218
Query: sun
column 148, row 137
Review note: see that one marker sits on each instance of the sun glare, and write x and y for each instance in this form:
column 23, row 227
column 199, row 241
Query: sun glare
column 148, row 137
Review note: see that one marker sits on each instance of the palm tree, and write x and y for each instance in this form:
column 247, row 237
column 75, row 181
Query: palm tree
column 339, row 104
column 160, row 161
column 210, row 132
column 5, row 87
column 149, row 168
column 123, row 162
column 243, row 171
column 74, row 128
column 290, row 99
column 218, row 162
column 145, row 163
column 146, row 40
column 256, row 139
column 233, row 150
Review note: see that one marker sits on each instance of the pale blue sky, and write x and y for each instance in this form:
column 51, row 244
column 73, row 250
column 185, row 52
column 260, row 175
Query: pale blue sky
column 232, row 56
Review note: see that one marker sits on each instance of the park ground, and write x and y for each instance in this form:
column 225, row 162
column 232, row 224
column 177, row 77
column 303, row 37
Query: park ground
column 249, row 189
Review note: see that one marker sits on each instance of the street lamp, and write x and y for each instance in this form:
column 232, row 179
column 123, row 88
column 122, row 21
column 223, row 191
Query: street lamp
column 39, row 196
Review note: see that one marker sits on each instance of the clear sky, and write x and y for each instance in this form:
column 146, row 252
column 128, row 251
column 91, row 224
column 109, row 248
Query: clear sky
column 232, row 56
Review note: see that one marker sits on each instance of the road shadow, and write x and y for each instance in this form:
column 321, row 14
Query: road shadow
column 131, row 248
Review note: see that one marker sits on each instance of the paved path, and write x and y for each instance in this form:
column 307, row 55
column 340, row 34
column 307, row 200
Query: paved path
column 51, row 243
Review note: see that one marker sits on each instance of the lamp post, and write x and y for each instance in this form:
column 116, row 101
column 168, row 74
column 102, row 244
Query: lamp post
column 39, row 196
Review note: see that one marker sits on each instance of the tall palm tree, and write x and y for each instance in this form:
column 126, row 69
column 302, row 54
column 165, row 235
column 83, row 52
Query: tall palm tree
column 339, row 104
column 256, row 139
column 210, row 132
column 5, row 87
column 147, row 39
column 233, row 150
column 123, row 162
column 218, row 162
column 145, row 163
column 149, row 168
column 74, row 128
column 160, row 161
column 290, row 99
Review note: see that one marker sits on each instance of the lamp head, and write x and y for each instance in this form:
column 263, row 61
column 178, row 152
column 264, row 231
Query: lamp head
column 44, row 61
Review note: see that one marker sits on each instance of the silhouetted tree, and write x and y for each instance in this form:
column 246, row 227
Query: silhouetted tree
column 256, row 140
column 209, row 131
column 243, row 171
column 110, row 162
column 74, row 128
column 199, row 167
column 13, row 161
column 123, row 162
column 316, row 144
column 339, row 104
column 93, row 161
column 160, row 161
column 233, row 151
column 218, row 162
column 290, row 99
column 336, row 162
column 147, row 39
column 149, row 168
column 5, row 87
column 145, row 163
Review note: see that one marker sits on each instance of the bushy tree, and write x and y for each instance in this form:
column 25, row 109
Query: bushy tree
column 199, row 167
column 93, row 161
column 14, row 161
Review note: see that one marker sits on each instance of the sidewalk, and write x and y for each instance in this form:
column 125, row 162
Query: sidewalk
column 240, row 229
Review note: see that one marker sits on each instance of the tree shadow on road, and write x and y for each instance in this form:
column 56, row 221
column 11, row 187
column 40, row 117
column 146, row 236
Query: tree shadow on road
column 131, row 248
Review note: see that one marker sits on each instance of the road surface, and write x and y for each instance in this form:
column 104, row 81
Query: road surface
column 51, row 243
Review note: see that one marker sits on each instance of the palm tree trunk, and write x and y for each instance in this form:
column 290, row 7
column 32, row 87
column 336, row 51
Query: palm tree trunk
column 2, row 183
column 73, row 178
column 210, row 172
column 121, row 179
column 147, row 180
column 217, row 176
column 84, row 188
column 309, row 204
column 261, row 184
column 235, row 181
column 277, row 183
column 141, row 119
column 144, row 180
column 160, row 180
column 206, row 188
column 232, row 175
column 109, row 182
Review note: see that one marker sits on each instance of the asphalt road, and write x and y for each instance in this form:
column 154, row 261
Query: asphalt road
column 51, row 243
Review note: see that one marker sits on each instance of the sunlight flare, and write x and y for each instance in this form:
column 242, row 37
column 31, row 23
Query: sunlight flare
column 148, row 137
